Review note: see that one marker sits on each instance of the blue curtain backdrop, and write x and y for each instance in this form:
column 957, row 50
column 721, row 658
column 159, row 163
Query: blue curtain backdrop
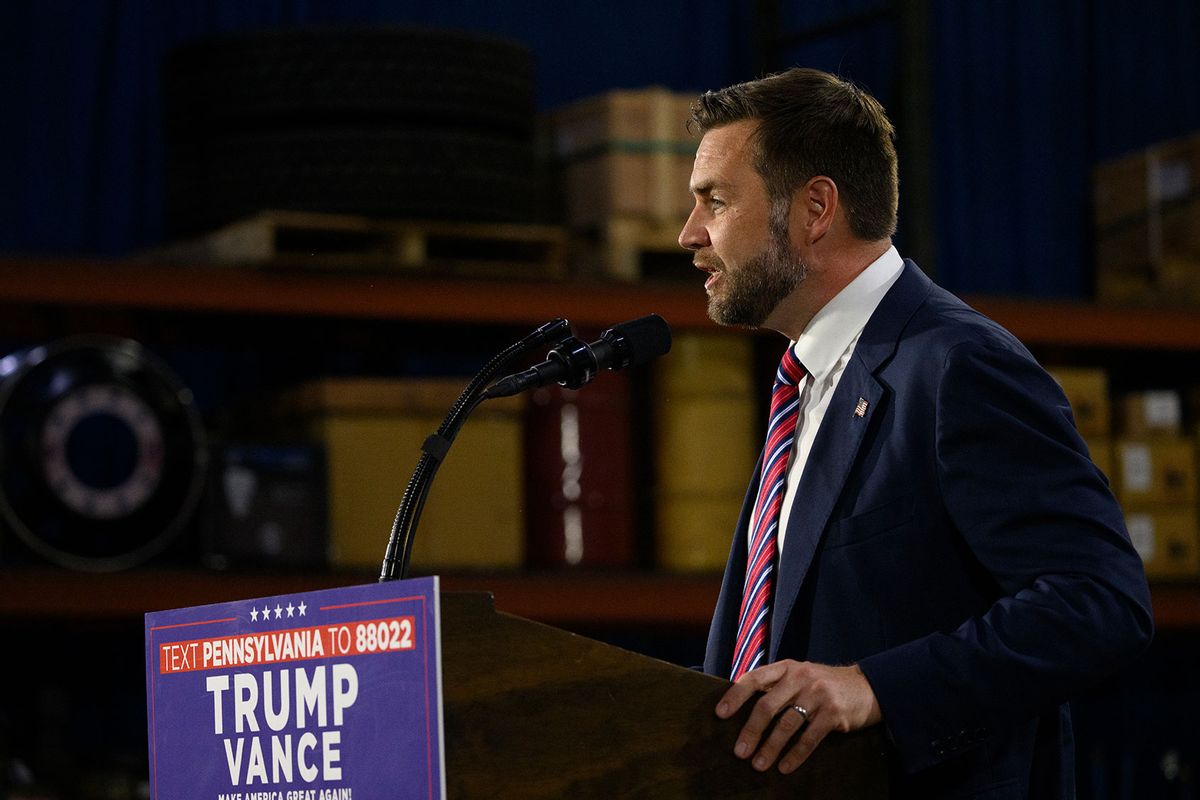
column 1011, row 103
column 1026, row 97
column 81, row 153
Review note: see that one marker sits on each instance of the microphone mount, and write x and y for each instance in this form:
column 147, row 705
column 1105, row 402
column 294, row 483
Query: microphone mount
column 574, row 363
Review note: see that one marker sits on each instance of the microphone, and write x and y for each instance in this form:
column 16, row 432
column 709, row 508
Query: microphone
column 573, row 363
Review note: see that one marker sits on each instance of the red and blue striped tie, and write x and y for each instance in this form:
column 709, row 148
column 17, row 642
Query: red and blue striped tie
column 755, row 618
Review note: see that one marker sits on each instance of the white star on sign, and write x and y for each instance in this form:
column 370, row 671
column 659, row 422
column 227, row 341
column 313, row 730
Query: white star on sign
column 302, row 607
column 254, row 614
column 266, row 613
column 278, row 611
column 290, row 609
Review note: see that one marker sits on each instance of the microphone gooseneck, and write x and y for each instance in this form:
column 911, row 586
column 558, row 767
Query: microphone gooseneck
column 571, row 363
column 404, row 526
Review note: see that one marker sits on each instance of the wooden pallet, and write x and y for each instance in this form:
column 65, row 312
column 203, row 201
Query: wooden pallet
column 633, row 249
column 335, row 241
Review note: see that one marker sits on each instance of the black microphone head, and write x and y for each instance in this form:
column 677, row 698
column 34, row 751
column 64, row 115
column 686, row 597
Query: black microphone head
column 643, row 339
column 553, row 331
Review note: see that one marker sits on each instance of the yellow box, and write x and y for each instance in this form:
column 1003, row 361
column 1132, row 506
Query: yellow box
column 1101, row 451
column 708, row 420
column 1087, row 392
column 1167, row 541
column 695, row 531
column 707, row 365
column 709, row 429
column 625, row 153
column 373, row 430
column 1155, row 473
column 1152, row 413
column 706, row 444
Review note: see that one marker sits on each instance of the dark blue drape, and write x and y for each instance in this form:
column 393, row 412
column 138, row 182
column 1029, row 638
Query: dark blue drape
column 1146, row 85
column 81, row 151
column 1026, row 96
column 1011, row 133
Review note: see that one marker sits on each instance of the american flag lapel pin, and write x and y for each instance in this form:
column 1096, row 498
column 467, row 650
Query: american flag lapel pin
column 860, row 410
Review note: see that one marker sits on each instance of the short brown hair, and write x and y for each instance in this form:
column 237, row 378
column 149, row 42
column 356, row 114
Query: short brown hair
column 813, row 123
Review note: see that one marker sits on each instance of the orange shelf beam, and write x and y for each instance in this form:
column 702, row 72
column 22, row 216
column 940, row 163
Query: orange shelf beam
column 384, row 295
column 373, row 295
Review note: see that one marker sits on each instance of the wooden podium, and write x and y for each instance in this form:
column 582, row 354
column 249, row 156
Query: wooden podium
column 535, row 712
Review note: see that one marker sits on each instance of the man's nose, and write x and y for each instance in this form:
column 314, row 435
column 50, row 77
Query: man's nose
column 694, row 234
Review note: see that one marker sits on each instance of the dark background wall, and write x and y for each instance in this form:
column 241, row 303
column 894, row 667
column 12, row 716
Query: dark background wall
column 1002, row 107
column 82, row 148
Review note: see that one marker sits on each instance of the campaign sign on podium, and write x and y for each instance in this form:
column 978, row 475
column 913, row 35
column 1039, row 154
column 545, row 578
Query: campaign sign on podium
column 322, row 695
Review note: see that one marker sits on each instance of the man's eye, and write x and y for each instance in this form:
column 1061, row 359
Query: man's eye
column 716, row 202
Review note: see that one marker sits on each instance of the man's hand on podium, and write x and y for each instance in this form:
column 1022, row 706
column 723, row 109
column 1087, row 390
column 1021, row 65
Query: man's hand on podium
column 812, row 699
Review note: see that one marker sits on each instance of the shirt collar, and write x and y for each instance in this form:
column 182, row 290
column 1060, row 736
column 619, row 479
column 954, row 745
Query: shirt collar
column 842, row 319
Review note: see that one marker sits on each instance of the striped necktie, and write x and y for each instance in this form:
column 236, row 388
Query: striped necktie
column 755, row 617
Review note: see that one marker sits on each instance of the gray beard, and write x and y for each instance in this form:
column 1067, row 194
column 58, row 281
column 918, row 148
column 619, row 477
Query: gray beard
column 757, row 287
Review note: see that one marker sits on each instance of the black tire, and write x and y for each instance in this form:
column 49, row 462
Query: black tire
column 289, row 78
column 102, row 453
column 417, row 174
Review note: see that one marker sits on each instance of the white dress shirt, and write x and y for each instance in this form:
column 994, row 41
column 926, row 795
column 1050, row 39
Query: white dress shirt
column 824, row 348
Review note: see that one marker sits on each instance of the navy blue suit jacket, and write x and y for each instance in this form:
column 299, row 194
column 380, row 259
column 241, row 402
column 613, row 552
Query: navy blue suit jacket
column 956, row 541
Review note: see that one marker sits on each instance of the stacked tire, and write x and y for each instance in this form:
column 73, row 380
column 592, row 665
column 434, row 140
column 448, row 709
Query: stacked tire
column 385, row 122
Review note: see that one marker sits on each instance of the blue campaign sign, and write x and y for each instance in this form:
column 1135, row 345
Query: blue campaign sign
column 329, row 695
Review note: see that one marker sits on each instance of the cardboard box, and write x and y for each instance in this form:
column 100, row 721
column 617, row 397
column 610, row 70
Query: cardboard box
column 708, row 427
column 372, row 430
column 1155, row 473
column 1159, row 251
column 628, row 184
column 625, row 153
column 1126, row 289
column 1087, row 392
column 1167, row 541
column 1146, row 215
column 265, row 507
column 1157, row 412
column 1127, row 187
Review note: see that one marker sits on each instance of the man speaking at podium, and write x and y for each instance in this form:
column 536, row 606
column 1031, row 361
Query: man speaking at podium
column 925, row 543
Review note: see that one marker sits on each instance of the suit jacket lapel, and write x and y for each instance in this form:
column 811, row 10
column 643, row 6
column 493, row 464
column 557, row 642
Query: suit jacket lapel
column 833, row 453
column 857, row 398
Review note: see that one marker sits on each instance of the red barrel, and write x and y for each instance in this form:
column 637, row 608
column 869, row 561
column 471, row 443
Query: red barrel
column 578, row 465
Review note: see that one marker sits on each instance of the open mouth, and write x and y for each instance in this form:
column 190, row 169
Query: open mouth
column 714, row 275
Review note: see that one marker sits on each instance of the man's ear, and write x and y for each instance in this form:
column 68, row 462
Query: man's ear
column 814, row 206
